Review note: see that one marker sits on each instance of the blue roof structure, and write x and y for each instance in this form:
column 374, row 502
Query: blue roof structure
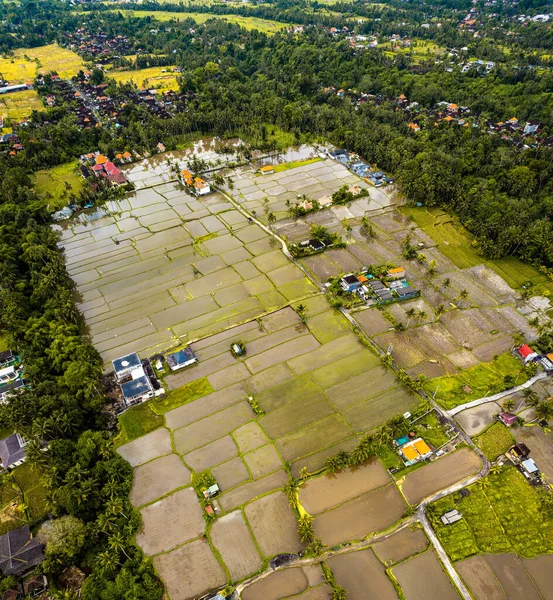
column 136, row 387
column 127, row 363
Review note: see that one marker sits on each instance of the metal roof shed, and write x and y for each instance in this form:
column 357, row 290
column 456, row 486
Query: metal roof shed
column 136, row 388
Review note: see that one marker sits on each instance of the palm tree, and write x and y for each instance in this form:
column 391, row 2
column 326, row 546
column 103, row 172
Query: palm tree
column 463, row 294
column 107, row 561
column 544, row 411
column 339, row 593
column 117, row 543
column 534, row 322
column 446, row 282
column 410, row 314
column 440, row 309
column 508, row 405
column 305, row 529
column 421, row 315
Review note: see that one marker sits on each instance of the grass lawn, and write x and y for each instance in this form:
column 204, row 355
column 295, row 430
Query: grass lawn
column 431, row 431
column 162, row 78
column 496, row 440
column 19, row 105
column 186, row 393
column 502, row 513
column 27, row 63
column 263, row 25
column 457, row 244
column 59, row 182
column 34, row 498
column 483, row 379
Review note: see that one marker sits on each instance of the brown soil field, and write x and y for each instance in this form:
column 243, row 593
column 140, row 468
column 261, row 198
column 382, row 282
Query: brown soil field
column 541, row 445
column 157, row 478
column 362, row 575
column 211, row 428
column 440, row 474
column 480, row 579
column 150, row 446
column 326, row 491
column 170, row 522
column 513, row 578
column 289, row 582
column 314, row 574
column 231, row 473
column 190, row 571
column 274, row 525
column 321, row 592
column 434, row 584
column 211, row 454
column 401, row 545
column 321, row 267
column 232, row 538
column 203, row 407
column 296, row 415
column 374, row 511
column 249, row 437
column 540, row 570
column 262, row 461
column 314, row 437
column 248, row 491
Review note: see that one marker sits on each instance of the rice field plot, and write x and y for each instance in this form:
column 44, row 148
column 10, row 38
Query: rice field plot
column 17, row 106
column 513, row 577
column 273, row 524
column 374, row 511
column 401, row 545
column 150, row 446
column 440, row 474
column 540, row 570
column 27, row 63
column 496, row 440
column 289, row 582
column 322, row 493
column 434, row 584
column 230, row 533
column 190, row 571
column 170, row 522
column 264, row 25
column 362, row 575
column 157, row 478
column 480, row 578
column 159, row 78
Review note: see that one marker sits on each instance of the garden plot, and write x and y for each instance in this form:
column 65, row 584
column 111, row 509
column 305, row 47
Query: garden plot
column 229, row 534
column 440, row 474
column 434, row 584
column 190, row 571
column 170, row 522
column 163, row 265
column 324, row 492
column 273, row 524
column 362, row 575
column 374, row 511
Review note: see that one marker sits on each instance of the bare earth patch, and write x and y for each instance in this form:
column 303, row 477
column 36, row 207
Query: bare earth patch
column 157, row 478
column 273, row 524
column 190, row 571
column 480, row 579
column 440, row 474
column 170, row 522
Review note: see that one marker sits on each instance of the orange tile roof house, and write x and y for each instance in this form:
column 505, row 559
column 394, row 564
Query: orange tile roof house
column 414, row 451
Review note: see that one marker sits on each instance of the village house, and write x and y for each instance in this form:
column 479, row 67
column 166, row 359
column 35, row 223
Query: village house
column 182, row 358
column 451, row 517
column 12, row 451
column 526, row 354
column 414, row 451
column 19, row 552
